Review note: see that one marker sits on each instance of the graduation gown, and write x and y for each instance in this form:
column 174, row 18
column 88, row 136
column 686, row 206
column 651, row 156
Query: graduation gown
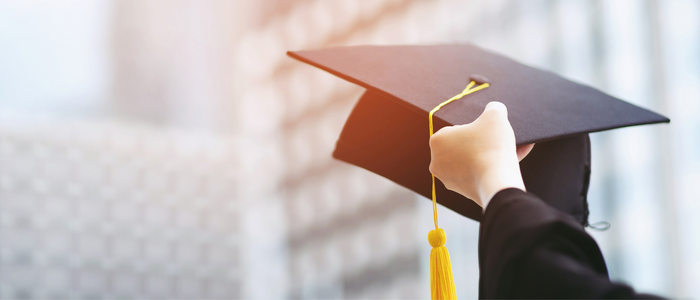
column 528, row 249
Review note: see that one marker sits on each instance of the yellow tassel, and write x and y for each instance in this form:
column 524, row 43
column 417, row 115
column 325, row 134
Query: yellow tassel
column 442, row 284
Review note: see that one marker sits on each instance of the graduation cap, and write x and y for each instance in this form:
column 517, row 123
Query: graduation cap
column 387, row 131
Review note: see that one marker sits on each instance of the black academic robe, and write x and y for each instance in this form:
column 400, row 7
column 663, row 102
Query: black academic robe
column 528, row 249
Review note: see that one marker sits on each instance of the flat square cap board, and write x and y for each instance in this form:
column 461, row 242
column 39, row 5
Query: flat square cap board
column 387, row 131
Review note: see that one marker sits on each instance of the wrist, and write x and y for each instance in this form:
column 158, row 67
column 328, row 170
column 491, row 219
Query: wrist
column 496, row 180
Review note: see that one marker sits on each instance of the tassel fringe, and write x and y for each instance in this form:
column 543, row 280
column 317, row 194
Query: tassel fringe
column 442, row 285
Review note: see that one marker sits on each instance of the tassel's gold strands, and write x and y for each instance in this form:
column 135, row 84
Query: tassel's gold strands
column 442, row 284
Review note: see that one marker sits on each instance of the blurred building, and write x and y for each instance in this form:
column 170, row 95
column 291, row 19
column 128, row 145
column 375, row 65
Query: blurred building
column 98, row 209
column 170, row 149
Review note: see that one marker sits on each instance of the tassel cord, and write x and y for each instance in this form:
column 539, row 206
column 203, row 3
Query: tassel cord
column 468, row 90
column 441, row 281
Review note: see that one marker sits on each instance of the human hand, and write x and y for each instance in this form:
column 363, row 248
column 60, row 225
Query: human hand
column 479, row 159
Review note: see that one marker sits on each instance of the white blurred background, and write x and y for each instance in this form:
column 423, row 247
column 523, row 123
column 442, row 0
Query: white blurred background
column 170, row 149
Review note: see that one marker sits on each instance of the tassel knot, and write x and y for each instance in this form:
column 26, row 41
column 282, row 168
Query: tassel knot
column 437, row 237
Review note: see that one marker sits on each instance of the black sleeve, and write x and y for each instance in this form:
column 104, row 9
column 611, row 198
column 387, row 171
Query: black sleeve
column 528, row 249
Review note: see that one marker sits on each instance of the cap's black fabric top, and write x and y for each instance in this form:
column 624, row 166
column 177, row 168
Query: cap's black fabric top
column 541, row 105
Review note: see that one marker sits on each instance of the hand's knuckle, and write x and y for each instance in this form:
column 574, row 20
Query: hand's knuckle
column 436, row 140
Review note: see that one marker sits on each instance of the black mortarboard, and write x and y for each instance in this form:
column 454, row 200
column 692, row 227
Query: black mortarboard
column 387, row 131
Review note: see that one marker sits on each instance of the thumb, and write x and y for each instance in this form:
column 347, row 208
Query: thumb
column 493, row 110
column 496, row 107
